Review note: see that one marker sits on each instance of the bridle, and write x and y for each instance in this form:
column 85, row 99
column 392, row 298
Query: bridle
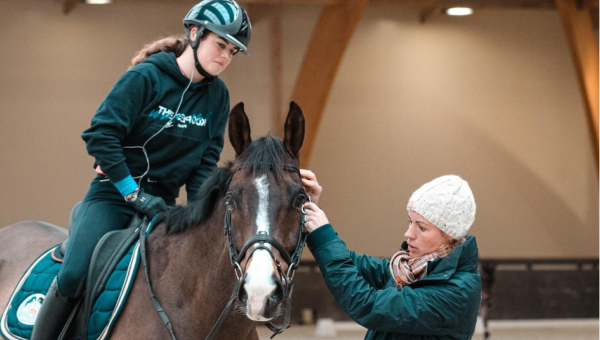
column 260, row 241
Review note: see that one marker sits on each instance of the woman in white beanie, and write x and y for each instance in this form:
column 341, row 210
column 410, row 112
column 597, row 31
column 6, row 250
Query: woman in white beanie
column 430, row 289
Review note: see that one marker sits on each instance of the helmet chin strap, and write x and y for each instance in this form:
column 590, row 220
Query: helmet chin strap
column 195, row 45
column 199, row 67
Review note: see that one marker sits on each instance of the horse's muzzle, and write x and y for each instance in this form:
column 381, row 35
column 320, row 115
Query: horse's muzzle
column 261, row 300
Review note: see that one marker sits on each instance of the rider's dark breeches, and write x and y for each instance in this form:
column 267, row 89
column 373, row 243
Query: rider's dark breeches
column 102, row 210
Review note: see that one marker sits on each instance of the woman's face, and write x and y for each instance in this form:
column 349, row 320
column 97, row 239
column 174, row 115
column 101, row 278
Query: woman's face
column 422, row 236
column 215, row 53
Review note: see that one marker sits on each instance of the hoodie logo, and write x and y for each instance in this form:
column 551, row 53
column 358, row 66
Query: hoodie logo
column 162, row 113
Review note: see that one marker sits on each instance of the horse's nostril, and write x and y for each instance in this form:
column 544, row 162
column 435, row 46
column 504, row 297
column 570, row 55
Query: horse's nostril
column 273, row 300
column 277, row 296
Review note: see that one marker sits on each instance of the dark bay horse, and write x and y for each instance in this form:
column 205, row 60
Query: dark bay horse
column 259, row 195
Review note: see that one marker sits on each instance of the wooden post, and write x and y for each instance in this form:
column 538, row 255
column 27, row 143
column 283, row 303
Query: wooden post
column 69, row 5
column 429, row 13
column 276, row 70
column 324, row 54
column 578, row 27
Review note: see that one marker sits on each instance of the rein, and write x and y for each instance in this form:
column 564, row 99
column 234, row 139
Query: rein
column 259, row 241
column 159, row 309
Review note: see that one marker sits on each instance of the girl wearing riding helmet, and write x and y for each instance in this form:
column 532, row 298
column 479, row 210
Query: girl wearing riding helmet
column 430, row 289
column 161, row 126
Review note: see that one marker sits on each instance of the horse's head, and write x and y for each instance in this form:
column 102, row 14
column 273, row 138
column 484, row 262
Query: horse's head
column 264, row 203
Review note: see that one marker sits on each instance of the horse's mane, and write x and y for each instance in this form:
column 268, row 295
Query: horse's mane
column 265, row 154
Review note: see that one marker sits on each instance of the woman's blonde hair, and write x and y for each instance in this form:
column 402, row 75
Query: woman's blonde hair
column 175, row 43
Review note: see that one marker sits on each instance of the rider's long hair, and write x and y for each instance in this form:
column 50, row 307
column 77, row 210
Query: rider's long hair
column 175, row 43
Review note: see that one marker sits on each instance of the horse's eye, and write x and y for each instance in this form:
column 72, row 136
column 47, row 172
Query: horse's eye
column 230, row 201
column 300, row 199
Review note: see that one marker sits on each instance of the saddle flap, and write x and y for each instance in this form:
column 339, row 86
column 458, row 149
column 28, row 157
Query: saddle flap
column 108, row 252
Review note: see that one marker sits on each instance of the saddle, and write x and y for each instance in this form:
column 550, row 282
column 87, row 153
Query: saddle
column 110, row 276
column 108, row 254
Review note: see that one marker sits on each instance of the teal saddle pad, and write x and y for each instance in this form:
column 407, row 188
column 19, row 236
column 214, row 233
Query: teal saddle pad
column 19, row 316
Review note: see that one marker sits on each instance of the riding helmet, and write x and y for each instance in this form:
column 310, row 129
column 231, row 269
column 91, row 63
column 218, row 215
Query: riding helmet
column 223, row 17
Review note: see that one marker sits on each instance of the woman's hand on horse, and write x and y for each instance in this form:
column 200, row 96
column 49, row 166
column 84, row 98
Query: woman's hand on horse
column 312, row 187
column 315, row 217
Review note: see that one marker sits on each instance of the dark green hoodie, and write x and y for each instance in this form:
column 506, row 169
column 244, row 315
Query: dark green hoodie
column 142, row 101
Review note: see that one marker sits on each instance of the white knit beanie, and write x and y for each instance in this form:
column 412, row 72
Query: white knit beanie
column 448, row 203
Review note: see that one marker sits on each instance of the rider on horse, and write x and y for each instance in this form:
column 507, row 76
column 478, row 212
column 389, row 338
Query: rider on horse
column 161, row 127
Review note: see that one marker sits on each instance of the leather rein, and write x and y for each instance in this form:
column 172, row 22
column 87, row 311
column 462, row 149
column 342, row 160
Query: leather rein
column 260, row 241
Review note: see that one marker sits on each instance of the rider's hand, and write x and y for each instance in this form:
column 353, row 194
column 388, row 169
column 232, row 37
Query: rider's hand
column 312, row 187
column 98, row 170
column 315, row 217
column 147, row 204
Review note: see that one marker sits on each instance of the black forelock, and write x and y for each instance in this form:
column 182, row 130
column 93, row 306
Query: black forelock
column 265, row 154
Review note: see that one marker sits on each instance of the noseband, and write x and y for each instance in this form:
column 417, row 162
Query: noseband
column 259, row 241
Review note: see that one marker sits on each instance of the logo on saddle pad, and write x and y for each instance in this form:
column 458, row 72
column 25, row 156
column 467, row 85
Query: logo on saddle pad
column 29, row 308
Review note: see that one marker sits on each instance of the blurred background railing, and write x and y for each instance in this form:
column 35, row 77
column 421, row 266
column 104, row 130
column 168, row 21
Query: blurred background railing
column 513, row 289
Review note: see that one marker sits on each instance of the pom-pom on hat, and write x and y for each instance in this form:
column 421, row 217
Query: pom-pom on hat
column 448, row 203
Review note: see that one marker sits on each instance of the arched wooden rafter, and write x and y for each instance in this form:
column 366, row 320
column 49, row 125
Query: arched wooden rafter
column 69, row 5
column 579, row 28
column 321, row 62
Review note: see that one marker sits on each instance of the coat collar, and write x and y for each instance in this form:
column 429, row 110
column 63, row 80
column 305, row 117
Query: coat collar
column 464, row 257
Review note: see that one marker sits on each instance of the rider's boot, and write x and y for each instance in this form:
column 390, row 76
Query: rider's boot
column 53, row 314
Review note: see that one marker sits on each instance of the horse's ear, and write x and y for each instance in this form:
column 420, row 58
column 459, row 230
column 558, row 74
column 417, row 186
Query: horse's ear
column 239, row 129
column 294, row 130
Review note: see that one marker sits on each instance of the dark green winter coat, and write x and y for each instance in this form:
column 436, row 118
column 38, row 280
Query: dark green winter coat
column 443, row 305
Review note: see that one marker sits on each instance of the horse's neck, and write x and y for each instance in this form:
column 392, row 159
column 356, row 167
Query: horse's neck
column 199, row 254
column 193, row 280
column 193, row 267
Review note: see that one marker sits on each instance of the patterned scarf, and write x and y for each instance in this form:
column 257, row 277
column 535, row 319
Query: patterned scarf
column 407, row 270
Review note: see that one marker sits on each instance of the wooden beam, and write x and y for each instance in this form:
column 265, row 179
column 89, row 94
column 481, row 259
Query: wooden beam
column 305, row 2
column 463, row 3
column 321, row 61
column 276, row 70
column 69, row 5
column 257, row 12
column 429, row 13
column 594, row 17
column 480, row 3
column 590, row 4
column 578, row 27
column 244, row 3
